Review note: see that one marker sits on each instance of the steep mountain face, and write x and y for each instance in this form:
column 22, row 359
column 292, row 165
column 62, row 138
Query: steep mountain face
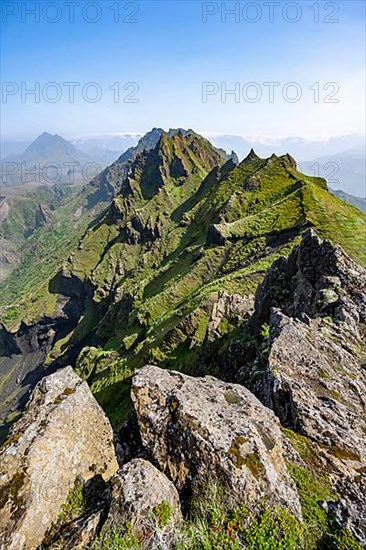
column 277, row 459
column 185, row 225
column 25, row 289
column 74, row 209
column 185, row 260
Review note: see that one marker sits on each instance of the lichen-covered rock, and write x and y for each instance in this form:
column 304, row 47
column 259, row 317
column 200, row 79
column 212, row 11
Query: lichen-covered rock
column 313, row 372
column 202, row 429
column 144, row 497
column 316, row 385
column 63, row 436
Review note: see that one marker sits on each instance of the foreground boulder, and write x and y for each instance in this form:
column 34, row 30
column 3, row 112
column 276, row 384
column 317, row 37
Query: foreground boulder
column 145, row 497
column 62, row 437
column 200, row 430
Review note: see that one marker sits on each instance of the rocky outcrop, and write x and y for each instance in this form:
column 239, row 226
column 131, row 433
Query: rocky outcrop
column 316, row 385
column 312, row 373
column 138, row 231
column 228, row 306
column 63, row 436
column 200, row 430
column 144, row 496
column 42, row 216
column 318, row 279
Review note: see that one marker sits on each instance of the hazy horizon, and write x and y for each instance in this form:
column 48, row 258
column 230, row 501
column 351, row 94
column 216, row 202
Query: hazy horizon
column 218, row 67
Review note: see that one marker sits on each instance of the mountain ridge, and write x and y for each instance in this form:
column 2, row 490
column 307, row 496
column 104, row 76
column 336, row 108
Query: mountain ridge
column 279, row 420
column 178, row 257
column 175, row 224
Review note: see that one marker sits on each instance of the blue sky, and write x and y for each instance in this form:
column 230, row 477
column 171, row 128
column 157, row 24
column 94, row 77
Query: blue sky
column 169, row 53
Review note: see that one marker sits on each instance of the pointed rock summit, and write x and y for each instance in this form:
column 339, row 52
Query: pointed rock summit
column 251, row 156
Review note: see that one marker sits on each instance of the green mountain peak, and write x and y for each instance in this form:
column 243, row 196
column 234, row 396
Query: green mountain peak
column 180, row 223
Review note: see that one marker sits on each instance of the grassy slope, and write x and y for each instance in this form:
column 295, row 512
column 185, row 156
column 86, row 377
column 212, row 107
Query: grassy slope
column 24, row 294
column 26, row 289
column 260, row 209
column 158, row 294
column 174, row 280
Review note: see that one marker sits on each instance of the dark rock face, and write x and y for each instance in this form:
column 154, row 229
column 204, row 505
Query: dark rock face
column 318, row 279
column 71, row 286
column 177, row 168
column 43, row 216
column 23, row 353
column 214, row 236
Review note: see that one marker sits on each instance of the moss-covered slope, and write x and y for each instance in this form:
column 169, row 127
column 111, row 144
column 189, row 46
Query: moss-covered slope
column 186, row 224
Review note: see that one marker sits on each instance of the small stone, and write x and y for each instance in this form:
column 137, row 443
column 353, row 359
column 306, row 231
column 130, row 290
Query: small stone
column 144, row 496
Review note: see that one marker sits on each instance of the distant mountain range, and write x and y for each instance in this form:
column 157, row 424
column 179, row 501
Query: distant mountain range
column 49, row 158
column 47, row 146
column 358, row 202
column 340, row 160
column 103, row 149
column 302, row 149
column 53, row 159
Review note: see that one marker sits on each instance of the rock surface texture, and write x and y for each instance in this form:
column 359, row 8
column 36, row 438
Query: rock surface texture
column 63, row 436
column 201, row 429
column 144, row 496
column 314, row 370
